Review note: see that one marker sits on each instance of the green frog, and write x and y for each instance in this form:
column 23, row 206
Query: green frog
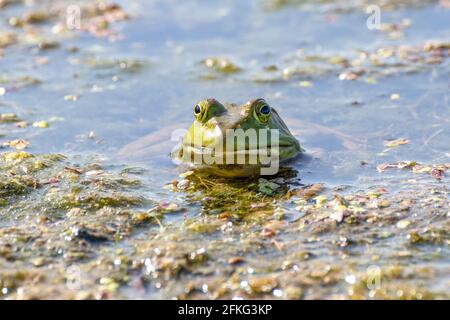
column 237, row 140
column 233, row 140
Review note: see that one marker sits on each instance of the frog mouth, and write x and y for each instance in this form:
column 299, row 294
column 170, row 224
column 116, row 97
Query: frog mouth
column 251, row 156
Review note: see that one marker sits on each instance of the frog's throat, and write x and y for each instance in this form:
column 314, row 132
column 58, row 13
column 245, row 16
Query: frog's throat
column 209, row 155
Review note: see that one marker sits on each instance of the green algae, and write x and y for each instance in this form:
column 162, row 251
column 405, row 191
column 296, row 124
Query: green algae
column 238, row 198
column 81, row 211
column 218, row 67
column 8, row 118
column 122, row 65
column 62, row 221
column 342, row 5
column 359, row 65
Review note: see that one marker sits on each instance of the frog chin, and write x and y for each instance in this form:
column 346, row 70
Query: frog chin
column 201, row 155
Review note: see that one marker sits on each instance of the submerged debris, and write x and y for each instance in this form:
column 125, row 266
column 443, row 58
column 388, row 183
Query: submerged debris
column 8, row 118
column 339, row 6
column 41, row 124
column 221, row 65
column 436, row 170
column 7, row 39
column 18, row 144
column 396, row 142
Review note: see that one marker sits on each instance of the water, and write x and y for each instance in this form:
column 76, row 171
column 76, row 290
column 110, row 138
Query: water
column 169, row 41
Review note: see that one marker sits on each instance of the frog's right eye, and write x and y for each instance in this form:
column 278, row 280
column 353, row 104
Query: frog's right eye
column 197, row 109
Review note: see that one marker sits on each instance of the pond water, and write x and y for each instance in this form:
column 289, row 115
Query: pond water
column 386, row 91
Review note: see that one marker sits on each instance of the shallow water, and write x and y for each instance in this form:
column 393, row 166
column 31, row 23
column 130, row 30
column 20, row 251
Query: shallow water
column 163, row 46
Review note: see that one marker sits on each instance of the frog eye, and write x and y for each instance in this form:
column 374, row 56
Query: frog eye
column 263, row 112
column 197, row 109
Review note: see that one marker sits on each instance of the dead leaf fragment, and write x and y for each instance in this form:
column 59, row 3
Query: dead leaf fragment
column 437, row 173
column 396, row 142
column 18, row 144
column 310, row 191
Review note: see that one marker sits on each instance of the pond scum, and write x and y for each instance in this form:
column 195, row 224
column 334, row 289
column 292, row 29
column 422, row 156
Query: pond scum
column 90, row 231
column 56, row 216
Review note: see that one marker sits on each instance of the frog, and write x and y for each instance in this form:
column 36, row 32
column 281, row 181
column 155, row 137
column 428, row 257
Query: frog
column 205, row 145
column 236, row 140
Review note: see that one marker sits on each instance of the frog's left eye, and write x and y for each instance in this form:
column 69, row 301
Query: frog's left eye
column 197, row 109
column 263, row 112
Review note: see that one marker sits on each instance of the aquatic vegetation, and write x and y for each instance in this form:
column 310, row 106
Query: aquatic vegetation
column 239, row 198
column 358, row 65
column 18, row 144
column 221, row 65
column 396, row 142
column 17, row 82
column 342, row 5
column 50, row 17
column 84, row 210
column 41, row 124
column 121, row 65
column 437, row 171
column 76, row 206
column 355, row 221
column 8, row 118
column 216, row 67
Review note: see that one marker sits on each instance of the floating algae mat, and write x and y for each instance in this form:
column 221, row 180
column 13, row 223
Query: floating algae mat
column 98, row 224
column 364, row 214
